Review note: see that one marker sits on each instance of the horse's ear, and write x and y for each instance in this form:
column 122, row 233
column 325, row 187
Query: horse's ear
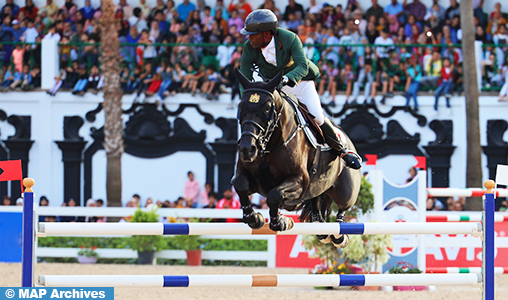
column 243, row 80
column 272, row 84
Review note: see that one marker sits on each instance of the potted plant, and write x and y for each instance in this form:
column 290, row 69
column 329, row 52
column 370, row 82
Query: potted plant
column 87, row 255
column 364, row 252
column 406, row 268
column 146, row 245
column 334, row 268
column 192, row 245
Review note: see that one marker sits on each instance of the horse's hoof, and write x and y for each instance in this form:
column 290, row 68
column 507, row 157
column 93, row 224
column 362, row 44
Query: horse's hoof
column 259, row 221
column 340, row 242
column 325, row 239
column 282, row 223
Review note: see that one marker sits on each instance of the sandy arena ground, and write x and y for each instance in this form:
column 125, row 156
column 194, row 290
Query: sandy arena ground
column 10, row 275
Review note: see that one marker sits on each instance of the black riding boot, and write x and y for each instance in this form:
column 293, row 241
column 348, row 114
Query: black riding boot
column 352, row 159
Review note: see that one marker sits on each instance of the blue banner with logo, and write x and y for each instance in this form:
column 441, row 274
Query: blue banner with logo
column 10, row 237
column 102, row 293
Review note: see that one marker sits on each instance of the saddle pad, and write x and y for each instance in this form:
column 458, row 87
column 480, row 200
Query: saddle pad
column 300, row 119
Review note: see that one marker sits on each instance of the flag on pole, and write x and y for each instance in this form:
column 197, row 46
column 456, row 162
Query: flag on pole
column 11, row 170
column 371, row 159
column 421, row 162
column 502, row 175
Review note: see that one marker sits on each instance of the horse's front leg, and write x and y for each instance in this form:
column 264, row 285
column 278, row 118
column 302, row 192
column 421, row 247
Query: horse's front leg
column 253, row 219
column 290, row 188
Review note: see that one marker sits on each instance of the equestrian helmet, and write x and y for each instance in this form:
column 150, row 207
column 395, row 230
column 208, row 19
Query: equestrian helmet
column 260, row 20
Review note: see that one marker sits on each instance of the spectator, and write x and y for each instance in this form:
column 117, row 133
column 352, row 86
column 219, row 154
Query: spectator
column 408, row 27
column 9, row 77
column 371, row 33
column 235, row 20
column 204, row 194
column 365, row 80
column 184, row 9
column 503, row 94
column 221, row 22
column 30, row 34
column 417, row 9
column 11, row 7
column 6, row 200
column 155, row 82
column 17, row 31
column 95, row 80
column 159, row 7
column 167, row 78
column 43, row 201
column 50, row 8
column 452, row 11
column 89, row 203
column 180, row 202
column 212, row 199
column 500, row 38
column 314, row 7
column 432, row 68
column 70, row 203
column 145, row 8
column 395, row 9
column 52, row 34
column 414, row 71
column 79, row 88
column 144, row 80
column 382, row 57
column 87, row 11
column 228, row 202
column 191, row 189
column 59, row 80
column 19, row 202
column 446, row 85
column 347, row 77
column 29, row 10
column 241, row 5
column 211, row 83
column 17, row 57
column 292, row 8
column 126, row 8
column 24, row 75
column 434, row 16
column 178, row 79
column 375, row 10
column 69, row 7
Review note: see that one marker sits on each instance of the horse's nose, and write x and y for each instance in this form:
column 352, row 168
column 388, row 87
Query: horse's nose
column 248, row 152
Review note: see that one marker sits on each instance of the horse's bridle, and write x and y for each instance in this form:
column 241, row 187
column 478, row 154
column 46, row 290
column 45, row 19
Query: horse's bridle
column 265, row 134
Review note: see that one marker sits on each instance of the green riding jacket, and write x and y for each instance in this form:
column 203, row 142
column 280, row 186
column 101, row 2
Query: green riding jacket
column 290, row 58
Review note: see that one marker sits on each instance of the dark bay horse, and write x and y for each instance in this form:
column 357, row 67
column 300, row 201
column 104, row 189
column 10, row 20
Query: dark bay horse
column 277, row 161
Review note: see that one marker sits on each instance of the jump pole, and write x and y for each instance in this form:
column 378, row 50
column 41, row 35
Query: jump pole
column 292, row 280
column 69, row 229
column 28, row 235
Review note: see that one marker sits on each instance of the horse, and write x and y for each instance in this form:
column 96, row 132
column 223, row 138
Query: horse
column 277, row 161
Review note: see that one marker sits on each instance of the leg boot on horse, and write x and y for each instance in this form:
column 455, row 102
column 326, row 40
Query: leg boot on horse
column 351, row 158
column 340, row 240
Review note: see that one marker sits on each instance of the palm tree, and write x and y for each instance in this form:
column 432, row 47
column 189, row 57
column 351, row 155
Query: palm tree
column 474, row 150
column 113, row 127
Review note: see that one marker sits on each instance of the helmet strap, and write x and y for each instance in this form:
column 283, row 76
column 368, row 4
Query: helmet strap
column 267, row 38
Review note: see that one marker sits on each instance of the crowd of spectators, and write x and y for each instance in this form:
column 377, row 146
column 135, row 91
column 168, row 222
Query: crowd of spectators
column 184, row 64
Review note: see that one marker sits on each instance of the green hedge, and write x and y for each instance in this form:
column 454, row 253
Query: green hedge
column 121, row 243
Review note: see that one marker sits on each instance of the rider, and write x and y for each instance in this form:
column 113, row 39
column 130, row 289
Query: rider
column 274, row 49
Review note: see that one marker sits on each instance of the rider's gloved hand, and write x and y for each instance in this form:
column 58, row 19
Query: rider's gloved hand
column 285, row 81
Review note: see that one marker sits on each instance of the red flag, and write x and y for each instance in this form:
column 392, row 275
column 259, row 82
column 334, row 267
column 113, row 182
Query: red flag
column 421, row 162
column 371, row 159
column 11, row 170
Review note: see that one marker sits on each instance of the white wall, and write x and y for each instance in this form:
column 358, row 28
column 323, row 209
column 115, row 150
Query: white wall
column 164, row 178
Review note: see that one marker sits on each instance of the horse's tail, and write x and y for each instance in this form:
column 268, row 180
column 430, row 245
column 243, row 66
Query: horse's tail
column 324, row 204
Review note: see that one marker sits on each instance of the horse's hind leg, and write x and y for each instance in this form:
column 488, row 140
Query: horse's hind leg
column 255, row 220
column 317, row 217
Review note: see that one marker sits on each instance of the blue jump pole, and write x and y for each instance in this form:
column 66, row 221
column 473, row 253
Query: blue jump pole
column 28, row 234
column 488, row 241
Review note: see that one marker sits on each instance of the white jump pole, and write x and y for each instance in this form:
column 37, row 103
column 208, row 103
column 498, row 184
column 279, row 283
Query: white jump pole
column 293, row 280
column 69, row 229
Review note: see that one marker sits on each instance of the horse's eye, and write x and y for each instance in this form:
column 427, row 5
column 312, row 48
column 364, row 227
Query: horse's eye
column 268, row 106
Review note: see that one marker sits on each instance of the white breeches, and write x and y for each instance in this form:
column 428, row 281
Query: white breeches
column 305, row 92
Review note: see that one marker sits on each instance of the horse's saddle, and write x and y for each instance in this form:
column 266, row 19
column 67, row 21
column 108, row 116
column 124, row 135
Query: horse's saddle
column 306, row 120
